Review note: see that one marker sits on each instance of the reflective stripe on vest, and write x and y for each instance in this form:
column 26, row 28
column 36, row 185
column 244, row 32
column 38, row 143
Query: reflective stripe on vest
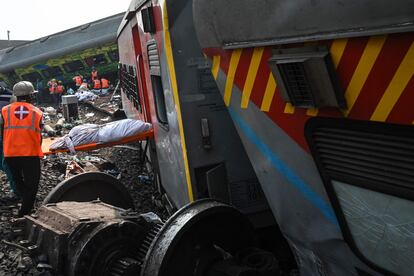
column 105, row 83
column 22, row 135
column 96, row 84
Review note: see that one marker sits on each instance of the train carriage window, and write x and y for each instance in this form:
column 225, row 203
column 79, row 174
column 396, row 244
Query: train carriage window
column 368, row 172
column 73, row 66
column 52, row 72
column 96, row 60
column 156, row 81
column 32, row 77
column 114, row 55
column 129, row 85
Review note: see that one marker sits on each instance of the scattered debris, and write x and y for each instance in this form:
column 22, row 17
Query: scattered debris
column 50, row 131
column 123, row 162
column 50, row 111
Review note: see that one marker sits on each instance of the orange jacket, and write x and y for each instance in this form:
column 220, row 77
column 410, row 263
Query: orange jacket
column 96, row 84
column 22, row 133
column 52, row 86
column 105, row 83
column 59, row 89
column 78, row 80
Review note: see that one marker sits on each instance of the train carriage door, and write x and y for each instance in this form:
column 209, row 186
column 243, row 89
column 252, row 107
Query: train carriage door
column 142, row 89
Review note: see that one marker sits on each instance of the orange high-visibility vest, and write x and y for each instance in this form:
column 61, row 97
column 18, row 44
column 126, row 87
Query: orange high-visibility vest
column 22, row 133
column 105, row 83
column 94, row 75
column 59, row 89
column 78, row 80
column 96, row 84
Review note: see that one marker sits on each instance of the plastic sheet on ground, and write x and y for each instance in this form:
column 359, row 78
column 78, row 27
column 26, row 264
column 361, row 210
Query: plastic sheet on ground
column 84, row 95
column 100, row 134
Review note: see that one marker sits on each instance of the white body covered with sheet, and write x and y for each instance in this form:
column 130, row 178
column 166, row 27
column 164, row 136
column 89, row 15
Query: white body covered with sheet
column 91, row 133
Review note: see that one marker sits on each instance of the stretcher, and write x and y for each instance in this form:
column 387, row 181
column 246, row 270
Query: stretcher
column 87, row 147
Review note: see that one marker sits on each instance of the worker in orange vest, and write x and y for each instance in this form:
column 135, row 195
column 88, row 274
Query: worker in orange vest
column 104, row 83
column 21, row 125
column 52, row 88
column 60, row 89
column 78, row 80
column 97, row 84
column 52, row 85
column 94, row 74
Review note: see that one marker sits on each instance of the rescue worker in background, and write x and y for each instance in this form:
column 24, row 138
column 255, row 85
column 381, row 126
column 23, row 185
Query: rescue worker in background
column 52, row 85
column 97, row 84
column 60, row 89
column 21, row 130
column 78, row 80
column 94, row 74
column 52, row 88
column 5, row 99
column 104, row 83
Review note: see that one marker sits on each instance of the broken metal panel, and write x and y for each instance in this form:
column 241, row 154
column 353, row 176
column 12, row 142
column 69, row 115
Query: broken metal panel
column 381, row 225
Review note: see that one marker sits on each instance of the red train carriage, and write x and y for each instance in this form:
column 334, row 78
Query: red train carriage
column 309, row 99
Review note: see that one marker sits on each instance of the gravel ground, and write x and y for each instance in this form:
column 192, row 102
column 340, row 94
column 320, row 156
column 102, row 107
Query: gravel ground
column 136, row 179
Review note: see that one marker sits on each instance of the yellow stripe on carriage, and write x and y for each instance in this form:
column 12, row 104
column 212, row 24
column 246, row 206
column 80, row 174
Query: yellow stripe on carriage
column 251, row 76
column 361, row 73
column 269, row 93
column 234, row 62
column 396, row 87
column 289, row 108
column 216, row 66
column 337, row 50
column 174, row 86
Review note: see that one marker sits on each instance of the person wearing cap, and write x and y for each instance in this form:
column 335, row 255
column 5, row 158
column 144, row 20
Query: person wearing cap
column 21, row 124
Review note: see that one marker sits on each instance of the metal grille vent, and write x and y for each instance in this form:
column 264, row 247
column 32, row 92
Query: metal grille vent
column 297, row 84
column 374, row 157
column 129, row 84
column 306, row 77
column 154, row 60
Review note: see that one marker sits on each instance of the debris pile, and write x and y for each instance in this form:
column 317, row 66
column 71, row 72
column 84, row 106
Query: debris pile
column 55, row 168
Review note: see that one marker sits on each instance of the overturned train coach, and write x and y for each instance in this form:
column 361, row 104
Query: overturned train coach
column 295, row 115
column 64, row 54
column 322, row 106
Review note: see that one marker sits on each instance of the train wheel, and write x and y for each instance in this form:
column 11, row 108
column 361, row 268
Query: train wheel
column 91, row 186
column 196, row 237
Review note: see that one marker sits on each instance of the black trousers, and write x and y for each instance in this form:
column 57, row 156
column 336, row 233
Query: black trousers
column 26, row 175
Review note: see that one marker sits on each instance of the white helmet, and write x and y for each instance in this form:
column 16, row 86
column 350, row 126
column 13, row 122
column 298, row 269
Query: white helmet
column 23, row 88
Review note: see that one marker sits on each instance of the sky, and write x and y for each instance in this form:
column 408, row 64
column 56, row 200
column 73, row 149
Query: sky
column 32, row 19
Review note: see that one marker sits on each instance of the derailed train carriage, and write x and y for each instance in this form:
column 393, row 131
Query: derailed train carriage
column 64, row 54
column 296, row 113
column 320, row 94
